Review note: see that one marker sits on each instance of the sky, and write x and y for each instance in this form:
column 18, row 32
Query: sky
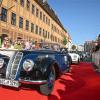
column 81, row 18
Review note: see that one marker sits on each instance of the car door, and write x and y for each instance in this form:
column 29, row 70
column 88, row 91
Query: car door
column 63, row 61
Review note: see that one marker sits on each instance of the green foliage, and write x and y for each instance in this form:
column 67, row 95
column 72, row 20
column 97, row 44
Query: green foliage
column 73, row 47
column 1, row 2
column 65, row 41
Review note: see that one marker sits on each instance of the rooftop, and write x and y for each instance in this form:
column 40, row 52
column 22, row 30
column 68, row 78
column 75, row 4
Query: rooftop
column 50, row 11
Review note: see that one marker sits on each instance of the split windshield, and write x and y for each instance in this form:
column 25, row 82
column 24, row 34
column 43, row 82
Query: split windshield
column 7, row 53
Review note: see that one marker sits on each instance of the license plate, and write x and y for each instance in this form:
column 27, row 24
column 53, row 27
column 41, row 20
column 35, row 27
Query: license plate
column 75, row 56
column 11, row 83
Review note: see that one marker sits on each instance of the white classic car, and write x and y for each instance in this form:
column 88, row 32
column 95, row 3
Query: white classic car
column 75, row 57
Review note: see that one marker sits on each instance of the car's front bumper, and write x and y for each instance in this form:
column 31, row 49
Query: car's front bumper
column 75, row 61
column 38, row 82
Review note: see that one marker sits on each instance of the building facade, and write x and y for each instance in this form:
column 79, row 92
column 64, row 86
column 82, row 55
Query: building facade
column 31, row 19
column 80, row 48
column 89, row 46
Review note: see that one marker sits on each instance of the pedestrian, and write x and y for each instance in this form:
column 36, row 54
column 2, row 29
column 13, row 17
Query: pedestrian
column 0, row 42
column 27, row 45
column 37, row 45
column 18, row 45
column 6, row 43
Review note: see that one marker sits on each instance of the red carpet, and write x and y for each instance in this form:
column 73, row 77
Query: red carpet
column 82, row 84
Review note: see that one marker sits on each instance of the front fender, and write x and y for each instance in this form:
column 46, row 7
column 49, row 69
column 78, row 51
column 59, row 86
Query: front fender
column 46, row 64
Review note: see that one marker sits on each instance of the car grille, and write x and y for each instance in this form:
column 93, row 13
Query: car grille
column 15, row 65
column 3, row 69
column 11, row 64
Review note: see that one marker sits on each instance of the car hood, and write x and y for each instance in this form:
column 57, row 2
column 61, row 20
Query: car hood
column 73, row 54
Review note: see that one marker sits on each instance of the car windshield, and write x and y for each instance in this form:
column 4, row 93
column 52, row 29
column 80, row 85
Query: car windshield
column 52, row 46
column 7, row 53
column 72, row 52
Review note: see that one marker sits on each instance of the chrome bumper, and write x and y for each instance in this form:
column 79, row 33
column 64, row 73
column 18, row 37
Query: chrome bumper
column 33, row 82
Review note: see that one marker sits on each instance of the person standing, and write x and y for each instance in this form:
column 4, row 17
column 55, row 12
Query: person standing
column 18, row 45
column 0, row 42
column 27, row 45
column 6, row 43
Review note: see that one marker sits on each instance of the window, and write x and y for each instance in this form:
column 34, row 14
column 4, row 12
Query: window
column 33, row 9
column 46, row 20
column 4, row 15
column 48, row 35
column 13, row 19
column 58, row 40
column 15, row 0
column 37, row 12
column 49, row 22
column 20, row 22
column 32, row 27
column 43, row 32
column 28, row 5
column 36, row 29
column 52, row 26
column 55, row 39
column 40, row 15
column 58, row 31
column 27, row 25
column 51, row 38
column 40, row 31
column 22, row 3
column 43, row 18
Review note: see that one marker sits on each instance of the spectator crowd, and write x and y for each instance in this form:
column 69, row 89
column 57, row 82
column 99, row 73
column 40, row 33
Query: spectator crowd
column 19, row 44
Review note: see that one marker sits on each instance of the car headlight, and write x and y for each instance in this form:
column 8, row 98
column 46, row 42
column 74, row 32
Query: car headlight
column 1, row 62
column 28, row 65
column 65, row 58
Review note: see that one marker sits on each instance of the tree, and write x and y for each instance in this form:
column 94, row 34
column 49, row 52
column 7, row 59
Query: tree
column 0, row 6
column 73, row 47
column 65, row 41
column 1, row 2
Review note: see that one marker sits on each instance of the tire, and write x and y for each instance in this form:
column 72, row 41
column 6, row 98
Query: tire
column 78, row 62
column 69, row 64
column 47, row 88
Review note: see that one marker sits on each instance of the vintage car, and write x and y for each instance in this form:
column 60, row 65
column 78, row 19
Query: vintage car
column 41, row 67
column 75, row 57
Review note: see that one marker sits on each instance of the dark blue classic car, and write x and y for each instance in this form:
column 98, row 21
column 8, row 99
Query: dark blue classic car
column 41, row 67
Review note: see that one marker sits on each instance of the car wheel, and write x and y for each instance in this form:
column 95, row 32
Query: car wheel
column 47, row 88
column 78, row 61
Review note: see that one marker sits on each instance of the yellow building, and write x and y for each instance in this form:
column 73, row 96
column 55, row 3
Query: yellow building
column 30, row 19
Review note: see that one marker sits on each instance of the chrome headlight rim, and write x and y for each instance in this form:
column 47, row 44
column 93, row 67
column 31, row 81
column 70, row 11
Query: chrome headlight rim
column 1, row 62
column 28, row 65
column 65, row 58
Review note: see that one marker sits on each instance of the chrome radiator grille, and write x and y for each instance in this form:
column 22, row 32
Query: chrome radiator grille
column 15, row 65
